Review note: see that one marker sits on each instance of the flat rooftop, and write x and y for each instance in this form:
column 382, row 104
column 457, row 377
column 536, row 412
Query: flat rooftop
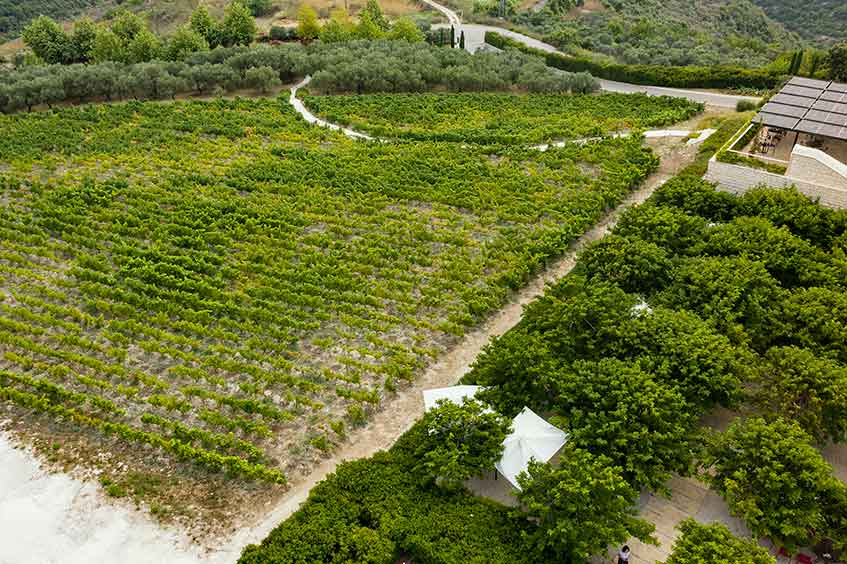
column 805, row 105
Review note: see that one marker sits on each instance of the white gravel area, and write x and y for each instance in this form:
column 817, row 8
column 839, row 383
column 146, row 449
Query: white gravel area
column 51, row 518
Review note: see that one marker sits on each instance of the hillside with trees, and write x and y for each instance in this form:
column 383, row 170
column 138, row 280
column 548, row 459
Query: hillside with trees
column 823, row 21
column 666, row 32
column 15, row 14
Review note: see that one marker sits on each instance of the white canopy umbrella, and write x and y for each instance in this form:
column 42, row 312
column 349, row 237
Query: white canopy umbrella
column 532, row 438
column 454, row 394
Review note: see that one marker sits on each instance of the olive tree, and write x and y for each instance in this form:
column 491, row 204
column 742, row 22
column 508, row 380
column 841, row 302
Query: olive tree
column 263, row 79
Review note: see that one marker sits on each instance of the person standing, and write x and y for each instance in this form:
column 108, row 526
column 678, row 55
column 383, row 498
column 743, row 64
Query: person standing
column 623, row 555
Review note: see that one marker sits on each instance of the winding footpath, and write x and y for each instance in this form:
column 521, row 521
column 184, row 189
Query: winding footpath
column 301, row 109
column 475, row 40
column 313, row 119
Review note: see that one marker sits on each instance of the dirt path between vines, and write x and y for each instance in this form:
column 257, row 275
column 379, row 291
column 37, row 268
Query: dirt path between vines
column 407, row 407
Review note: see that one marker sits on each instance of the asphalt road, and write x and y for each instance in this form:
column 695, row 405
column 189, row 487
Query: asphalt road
column 475, row 40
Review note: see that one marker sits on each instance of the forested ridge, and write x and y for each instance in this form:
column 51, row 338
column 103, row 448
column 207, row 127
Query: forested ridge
column 15, row 14
column 672, row 32
column 818, row 20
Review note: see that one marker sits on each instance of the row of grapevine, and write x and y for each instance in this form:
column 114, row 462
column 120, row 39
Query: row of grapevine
column 239, row 286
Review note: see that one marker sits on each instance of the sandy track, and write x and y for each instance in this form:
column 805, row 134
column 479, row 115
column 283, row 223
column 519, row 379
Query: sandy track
column 50, row 518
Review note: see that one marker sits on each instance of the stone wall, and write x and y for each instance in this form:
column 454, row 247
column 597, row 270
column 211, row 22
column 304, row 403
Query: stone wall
column 739, row 179
column 817, row 167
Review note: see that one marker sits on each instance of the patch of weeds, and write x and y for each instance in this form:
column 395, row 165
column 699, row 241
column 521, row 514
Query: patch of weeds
column 390, row 386
column 323, row 342
column 113, row 489
column 321, row 443
column 357, row 415
column 143, row 485
column 338, row 428
column 159, row 511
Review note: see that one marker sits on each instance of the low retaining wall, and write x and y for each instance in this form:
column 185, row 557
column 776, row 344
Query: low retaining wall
column 739, row 179
column 817, row 167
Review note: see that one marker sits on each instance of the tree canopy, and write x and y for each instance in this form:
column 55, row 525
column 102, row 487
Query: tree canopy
column 581, row 506
column 308, row 27
column 461, row 441
column 616, row 409
column 773, row 478
column 127, row 38
column 714, row 544
column 800, row 386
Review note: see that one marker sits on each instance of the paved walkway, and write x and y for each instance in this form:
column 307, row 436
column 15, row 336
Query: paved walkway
column 301, row 109
column 689, row 498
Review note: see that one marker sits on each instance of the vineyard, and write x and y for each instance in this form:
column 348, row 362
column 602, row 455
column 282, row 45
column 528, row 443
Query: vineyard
column 499, row 118
column 228, row 290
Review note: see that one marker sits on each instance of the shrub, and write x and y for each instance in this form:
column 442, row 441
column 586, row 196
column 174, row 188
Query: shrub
column 461, row 441
column 773, row 478
column 714, row 544
column 745, row 106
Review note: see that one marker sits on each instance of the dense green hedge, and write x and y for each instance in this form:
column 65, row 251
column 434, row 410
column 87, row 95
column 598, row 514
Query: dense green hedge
column 376, row 509
column 698, row 298
column 652, row 75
